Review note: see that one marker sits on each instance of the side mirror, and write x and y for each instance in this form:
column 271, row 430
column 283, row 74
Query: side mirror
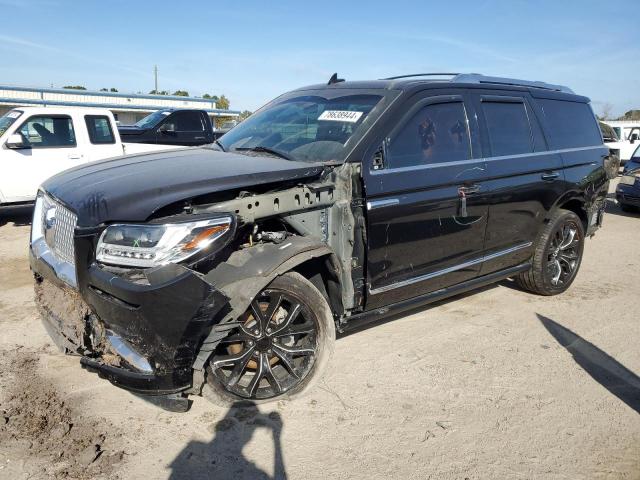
column 15, row 141
column 167, row 128
column 633, row 137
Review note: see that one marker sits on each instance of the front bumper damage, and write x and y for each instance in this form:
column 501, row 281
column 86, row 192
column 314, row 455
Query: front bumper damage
column 141, row 335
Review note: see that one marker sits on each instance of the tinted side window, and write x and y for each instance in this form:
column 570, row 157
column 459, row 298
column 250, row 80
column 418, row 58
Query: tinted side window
column 99, row 129
column 47, row 132
column 508, row 126
column 187, row 122
column 571, row 124
column 436, row 133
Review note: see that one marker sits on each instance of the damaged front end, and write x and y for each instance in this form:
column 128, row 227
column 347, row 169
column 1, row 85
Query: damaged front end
column 152, row 330
column 142, row 336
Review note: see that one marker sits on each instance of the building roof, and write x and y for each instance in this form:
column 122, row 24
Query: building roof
column 18, row 95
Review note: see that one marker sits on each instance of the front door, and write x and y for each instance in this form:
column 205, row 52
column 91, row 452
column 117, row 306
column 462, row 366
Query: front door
column 426, row 209
column 182, row 128
column 49, row 147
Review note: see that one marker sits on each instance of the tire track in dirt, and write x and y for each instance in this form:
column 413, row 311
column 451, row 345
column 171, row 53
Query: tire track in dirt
column 42, row 436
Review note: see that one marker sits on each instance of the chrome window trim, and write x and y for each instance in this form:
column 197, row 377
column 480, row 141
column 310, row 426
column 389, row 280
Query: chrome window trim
column 482, row 160
column 444, row 271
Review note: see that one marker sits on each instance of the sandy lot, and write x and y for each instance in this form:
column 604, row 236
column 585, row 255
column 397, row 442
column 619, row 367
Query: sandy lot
column 496, row 384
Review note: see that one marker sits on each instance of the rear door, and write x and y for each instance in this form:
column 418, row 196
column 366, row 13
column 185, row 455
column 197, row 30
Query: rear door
column 50, row 147
column 101, row 138
column 526, row 178
column 421, row 235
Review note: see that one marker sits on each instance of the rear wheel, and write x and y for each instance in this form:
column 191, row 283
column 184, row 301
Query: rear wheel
column 284, row 343
column 557, row 255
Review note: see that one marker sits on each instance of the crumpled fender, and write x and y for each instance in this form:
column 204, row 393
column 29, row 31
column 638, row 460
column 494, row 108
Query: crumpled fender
column 248, row 271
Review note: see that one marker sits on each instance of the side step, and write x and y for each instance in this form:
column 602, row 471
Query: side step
column 361, row 319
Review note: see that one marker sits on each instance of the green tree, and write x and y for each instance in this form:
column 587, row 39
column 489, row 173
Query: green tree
column 244, row 115
column 74, row 87
column 113, row 89
column 181, row 93
column 222, row 102
column 158, row 92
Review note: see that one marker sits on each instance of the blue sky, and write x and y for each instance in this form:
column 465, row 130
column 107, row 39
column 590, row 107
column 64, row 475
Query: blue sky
column 252, row 51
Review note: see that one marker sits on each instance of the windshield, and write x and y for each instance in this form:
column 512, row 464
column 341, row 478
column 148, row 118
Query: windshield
column 305, row 128
column 636, row 155
column 153, row 119
column 7, row 120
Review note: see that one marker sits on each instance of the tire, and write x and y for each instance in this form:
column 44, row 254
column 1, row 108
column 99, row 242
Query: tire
column 263, row 346
column 557, row 255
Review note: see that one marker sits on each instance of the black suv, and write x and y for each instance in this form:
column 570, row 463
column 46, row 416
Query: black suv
column 227, row 270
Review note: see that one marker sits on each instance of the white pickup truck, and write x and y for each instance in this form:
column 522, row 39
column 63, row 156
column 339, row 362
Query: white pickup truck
column 38, row 142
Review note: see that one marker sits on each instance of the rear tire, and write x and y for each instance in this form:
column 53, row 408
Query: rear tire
column 277, row 354
column 557, row 255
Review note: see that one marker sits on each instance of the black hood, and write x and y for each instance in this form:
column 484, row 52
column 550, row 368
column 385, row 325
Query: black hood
column 132, row 188
column 130, row 130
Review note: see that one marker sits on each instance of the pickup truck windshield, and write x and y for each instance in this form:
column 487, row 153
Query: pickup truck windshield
column 7, row 120
column 152, row 119
column 305, row 128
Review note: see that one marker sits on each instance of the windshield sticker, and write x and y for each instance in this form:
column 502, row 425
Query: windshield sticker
column 340, row 116
column 14, row 114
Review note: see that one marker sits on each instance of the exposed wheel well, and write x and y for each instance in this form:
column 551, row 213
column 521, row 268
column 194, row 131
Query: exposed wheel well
column 577, row 206
column 323, row 273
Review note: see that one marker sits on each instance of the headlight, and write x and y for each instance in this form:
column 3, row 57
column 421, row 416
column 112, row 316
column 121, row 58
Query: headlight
column 628, row 179
column 152, row 245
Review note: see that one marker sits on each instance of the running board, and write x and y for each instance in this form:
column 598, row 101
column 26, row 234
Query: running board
column 361, row 319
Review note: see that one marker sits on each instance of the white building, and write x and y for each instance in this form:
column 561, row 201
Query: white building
column 128, row 108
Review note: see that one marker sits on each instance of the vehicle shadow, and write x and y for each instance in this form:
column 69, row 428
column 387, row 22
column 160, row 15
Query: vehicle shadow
column 604, row 369
column 222, row 457
column 18, row 216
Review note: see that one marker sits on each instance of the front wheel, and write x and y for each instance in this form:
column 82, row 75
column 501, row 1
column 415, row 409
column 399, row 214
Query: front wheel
column 557, row 255
column 283, row 344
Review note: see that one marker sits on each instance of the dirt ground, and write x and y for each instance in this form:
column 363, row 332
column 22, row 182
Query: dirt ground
column 495, row 384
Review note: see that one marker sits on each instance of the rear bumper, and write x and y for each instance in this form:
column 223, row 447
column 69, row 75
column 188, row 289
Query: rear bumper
column 142, row 336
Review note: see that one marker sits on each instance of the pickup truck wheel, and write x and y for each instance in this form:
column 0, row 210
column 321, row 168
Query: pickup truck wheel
column 557, row 255
column 283, row 345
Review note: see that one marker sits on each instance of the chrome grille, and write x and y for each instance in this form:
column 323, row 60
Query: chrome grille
column 59, row 233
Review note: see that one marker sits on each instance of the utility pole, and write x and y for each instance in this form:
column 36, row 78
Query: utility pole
column 155, row 74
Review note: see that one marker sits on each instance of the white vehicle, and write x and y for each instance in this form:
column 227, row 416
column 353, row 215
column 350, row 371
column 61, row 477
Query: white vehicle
column 38, row 142
column 628, row 132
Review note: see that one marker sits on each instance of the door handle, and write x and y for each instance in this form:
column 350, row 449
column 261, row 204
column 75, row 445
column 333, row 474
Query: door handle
column 74, row 156
column 463, row 191
column 468, row 189
column 549, row 176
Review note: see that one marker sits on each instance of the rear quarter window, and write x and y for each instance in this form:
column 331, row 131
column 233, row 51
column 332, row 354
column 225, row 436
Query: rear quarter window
column 571, row 124
column 99, row 128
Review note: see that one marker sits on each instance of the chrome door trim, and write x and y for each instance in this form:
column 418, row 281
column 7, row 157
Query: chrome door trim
column 386, row 202
column 444, row 271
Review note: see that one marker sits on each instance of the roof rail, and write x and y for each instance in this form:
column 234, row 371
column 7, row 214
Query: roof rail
column 477, row 78
column 422, row 75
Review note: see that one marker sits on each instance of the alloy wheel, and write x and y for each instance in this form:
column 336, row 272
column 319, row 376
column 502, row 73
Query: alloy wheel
column 272, row 351
column 563, row 254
